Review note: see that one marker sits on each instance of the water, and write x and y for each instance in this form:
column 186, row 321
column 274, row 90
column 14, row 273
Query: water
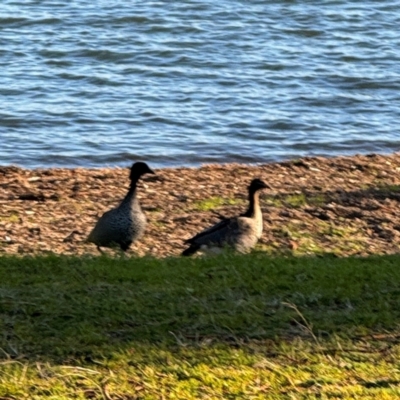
column 104, row 83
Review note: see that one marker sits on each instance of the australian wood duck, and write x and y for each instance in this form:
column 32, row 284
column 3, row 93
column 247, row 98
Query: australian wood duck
column 123, row 225
column 240, row 233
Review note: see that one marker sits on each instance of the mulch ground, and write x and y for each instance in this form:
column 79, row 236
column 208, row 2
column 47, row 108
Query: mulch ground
column 341, row 205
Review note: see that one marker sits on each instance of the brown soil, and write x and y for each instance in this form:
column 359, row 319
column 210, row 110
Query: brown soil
column 342, row 205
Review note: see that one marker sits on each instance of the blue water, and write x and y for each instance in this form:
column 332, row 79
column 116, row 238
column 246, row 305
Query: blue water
column 103, row 83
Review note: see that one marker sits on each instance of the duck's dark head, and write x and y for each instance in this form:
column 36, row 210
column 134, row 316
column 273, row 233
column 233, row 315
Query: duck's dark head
column 257, row 184
column 138, row 169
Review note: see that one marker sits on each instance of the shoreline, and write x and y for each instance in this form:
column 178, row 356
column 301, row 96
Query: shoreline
column 253, row 163
column 345, row 205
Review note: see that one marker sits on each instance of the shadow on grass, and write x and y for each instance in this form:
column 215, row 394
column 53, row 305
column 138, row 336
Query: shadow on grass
column 57, row 308
column 354, row 198
column 361, row 221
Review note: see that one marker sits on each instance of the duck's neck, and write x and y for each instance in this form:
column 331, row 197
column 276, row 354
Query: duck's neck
column 254, row 210
column 130, row 197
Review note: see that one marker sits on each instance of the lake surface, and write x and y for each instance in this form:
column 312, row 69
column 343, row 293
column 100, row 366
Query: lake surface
column 104, row 83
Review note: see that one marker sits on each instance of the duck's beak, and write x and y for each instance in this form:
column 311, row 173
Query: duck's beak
column 154, row 177
column 266, row 186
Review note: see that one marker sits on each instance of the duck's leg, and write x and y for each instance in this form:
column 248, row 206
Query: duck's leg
column 100, row 250
column 125, row 245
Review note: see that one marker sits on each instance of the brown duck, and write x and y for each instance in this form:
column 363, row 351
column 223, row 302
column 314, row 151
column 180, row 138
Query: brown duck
column 240, row 233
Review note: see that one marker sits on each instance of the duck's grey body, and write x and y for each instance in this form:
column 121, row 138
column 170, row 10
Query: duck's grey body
column 126, row 223
column 240, row 233
column 120, row 226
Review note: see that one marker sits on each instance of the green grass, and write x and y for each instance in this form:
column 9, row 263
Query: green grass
column 215, row 202
column 386, row 188
column 341, row 238
column 13, row 218
column 225, row 327
column 295, row 200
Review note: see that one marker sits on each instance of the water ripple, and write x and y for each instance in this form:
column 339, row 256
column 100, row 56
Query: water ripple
column 184, row 83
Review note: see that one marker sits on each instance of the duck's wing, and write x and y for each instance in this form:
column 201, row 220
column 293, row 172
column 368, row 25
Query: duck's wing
column 215, row 233
column 102, row 229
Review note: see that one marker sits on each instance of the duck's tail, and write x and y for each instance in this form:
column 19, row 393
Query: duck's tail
column 190, row 250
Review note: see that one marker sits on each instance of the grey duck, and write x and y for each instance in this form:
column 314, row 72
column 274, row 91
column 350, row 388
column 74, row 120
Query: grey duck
column 123, row 225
